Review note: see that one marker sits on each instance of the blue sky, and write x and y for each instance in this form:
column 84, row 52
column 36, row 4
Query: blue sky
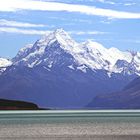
column 114, row 23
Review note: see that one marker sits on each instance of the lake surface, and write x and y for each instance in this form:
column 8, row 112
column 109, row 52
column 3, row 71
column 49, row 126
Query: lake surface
column 71, row 125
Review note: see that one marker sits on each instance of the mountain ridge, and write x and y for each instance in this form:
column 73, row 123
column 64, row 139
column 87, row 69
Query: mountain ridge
column 89, row 53
column 92, row 54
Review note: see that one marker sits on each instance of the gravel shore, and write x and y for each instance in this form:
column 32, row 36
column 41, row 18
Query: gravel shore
column 77, row 131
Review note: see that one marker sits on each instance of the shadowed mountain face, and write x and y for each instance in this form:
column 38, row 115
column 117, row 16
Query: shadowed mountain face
column 57, row 72
column 16, row 105
column 128, row 98
column 58, row 88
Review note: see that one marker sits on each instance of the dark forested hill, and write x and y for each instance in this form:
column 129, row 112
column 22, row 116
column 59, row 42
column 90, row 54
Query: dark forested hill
column 17, row 105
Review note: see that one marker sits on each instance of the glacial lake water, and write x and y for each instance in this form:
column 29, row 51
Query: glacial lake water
column 69, row 116
column 70, row 124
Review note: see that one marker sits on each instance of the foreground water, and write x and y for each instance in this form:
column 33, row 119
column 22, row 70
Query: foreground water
column 73, row 125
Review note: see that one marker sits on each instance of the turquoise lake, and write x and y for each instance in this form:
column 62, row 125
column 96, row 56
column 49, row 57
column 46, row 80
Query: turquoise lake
column 69, row 116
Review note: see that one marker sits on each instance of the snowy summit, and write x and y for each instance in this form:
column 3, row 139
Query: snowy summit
column 85, row 55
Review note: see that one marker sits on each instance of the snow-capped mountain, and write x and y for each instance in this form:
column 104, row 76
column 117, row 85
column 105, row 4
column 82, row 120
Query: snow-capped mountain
column 45, row 50
column 4, row 63
column 89, row 54
column 58, row 72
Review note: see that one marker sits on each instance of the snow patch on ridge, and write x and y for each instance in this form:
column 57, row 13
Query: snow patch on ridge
column 4, row 62
column 71, row 67
column 83, row 68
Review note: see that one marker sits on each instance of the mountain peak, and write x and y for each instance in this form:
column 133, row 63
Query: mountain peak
column 63, row 37
column 60, row 31
column 59, row 35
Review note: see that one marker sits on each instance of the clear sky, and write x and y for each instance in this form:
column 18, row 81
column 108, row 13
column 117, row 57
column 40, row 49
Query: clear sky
column 114, row 23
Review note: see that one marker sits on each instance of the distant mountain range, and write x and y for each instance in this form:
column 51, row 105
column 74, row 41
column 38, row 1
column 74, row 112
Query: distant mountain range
column 58, row 72
column 128, row 98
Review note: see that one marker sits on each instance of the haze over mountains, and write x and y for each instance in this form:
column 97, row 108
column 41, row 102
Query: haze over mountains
column 58, row 72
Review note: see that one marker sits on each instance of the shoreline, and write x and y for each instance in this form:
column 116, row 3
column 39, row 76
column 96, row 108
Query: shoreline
column 44, row 125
